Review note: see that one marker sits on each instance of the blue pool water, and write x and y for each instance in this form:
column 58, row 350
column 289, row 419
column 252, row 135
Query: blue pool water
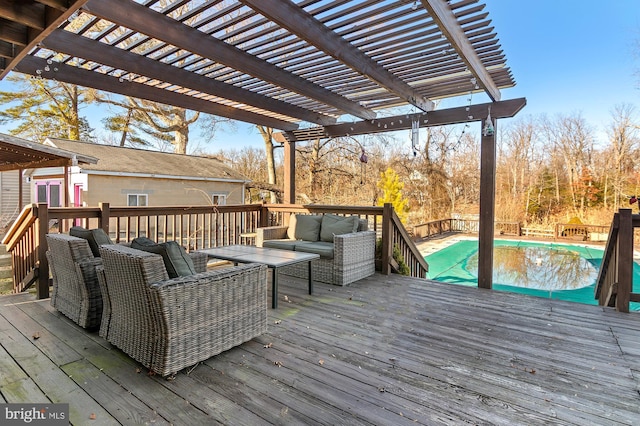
column 557, row 271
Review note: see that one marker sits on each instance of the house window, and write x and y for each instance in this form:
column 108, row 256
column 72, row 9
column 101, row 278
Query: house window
column 219, row 199
column 49, row 192
column 137, row 200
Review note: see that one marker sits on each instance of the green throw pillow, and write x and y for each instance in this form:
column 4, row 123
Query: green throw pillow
column 307, row 227
column 176, row 260
column 337, row 225
column 95, row 237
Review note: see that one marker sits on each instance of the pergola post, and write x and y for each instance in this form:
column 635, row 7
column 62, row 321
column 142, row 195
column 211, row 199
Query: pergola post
column 289, row 193
column 42, row 212
column 487, row 205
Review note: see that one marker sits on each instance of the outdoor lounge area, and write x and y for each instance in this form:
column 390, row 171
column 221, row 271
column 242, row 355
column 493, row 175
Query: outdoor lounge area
column 387, row 350
column 382, row 349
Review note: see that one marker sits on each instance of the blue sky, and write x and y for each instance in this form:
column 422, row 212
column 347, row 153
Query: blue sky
column 571, row 56
column 567, row 56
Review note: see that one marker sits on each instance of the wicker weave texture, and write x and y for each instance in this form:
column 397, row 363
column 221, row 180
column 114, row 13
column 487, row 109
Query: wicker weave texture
column 76, row 291
column 354, row 257
column 168, row 325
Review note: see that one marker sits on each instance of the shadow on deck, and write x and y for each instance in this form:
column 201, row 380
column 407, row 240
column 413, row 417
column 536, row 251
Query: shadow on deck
column 387, row 350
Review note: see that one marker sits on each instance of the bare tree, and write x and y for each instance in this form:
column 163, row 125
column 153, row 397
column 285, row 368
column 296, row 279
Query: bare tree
column 519, row 160
column 572, row 139
column 623, row 145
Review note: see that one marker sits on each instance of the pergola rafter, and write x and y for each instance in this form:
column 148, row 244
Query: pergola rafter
column 291, row 61
column 278, row 63
column 305, row 26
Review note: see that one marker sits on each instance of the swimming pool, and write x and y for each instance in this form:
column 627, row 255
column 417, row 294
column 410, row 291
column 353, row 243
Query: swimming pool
column 549, row 270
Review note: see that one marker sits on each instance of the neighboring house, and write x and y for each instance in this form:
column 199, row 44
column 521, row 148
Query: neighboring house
column 135, row 177
column 10, row 196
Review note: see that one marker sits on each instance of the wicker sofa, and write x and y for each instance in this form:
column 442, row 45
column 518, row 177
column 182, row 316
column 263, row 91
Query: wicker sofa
column 345, row 246
column 169, row 324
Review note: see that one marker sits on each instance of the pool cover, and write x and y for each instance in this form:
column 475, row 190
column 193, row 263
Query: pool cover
column 450, row 265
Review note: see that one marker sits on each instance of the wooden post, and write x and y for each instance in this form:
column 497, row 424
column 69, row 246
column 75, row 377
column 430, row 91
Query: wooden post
column 263, row 220
column 103, row 220
column 387, row 244
column 20, row 190
column 289, row 194
column 42, row 213
column 487, row 207
column 625, row 260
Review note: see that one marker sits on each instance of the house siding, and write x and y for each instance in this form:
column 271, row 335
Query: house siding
column 160, row 192
column 9, row 196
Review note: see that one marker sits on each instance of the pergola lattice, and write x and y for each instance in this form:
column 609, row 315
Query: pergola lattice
column 304, row 67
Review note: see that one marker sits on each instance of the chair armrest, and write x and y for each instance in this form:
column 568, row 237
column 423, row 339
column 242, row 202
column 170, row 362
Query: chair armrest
column 199, row 260
column 207, row 278
column 270, row 233
column 355, row 247
column 202, row 315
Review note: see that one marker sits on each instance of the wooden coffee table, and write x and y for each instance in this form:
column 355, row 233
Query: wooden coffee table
column 273, row 258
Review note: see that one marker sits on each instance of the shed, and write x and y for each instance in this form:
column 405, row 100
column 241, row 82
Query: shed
column 137, row 177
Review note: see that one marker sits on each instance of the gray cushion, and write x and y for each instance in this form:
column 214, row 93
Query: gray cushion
column 324, row 249
column 95, row 237
column 280, row 244
column 307, row 227
column 176, row 259
column 337, row 225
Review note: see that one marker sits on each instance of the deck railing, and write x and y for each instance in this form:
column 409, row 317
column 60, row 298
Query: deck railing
column 471, row 226
column 195, row 227
column 614, row 285
column 559, row 231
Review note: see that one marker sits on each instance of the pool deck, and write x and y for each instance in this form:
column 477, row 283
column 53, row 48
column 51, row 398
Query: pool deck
column 387, row 350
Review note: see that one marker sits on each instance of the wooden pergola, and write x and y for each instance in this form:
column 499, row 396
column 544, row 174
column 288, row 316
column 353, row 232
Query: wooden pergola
column 309, row 68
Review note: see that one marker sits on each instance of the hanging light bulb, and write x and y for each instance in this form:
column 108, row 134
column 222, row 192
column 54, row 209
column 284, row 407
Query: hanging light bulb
column 414, row 6
column 363, row 157
column 488, row 125
column 415, row 136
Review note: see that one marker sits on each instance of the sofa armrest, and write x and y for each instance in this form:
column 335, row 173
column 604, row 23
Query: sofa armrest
column 354, row 247
column 201, row 315
column 199, row 260
column 270, row 233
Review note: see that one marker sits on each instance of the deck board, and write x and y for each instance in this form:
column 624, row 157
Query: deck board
column 386, row 350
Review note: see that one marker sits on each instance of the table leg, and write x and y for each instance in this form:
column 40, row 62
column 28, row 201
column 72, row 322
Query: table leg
column 274, row 288
column 310, row 279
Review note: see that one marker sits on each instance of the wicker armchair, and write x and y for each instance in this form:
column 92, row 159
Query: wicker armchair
column 76, row 291
column 169, row 324
column 353, row 255
column 199, row 259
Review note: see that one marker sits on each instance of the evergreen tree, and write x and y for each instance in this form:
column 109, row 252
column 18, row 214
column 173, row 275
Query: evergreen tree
column 391, row 187
column 44, row 108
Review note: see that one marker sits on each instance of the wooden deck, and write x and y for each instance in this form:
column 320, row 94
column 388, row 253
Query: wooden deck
column 383, row 351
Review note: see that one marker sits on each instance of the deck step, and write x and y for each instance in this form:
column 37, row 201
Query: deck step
column 5, row 273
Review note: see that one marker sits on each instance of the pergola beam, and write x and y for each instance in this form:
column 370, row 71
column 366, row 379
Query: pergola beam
column 154, row 24
column 305, row 26
column 448, row 24
column 500, row 109
column 74, row 75
column 104, row 54
column 48, row 19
